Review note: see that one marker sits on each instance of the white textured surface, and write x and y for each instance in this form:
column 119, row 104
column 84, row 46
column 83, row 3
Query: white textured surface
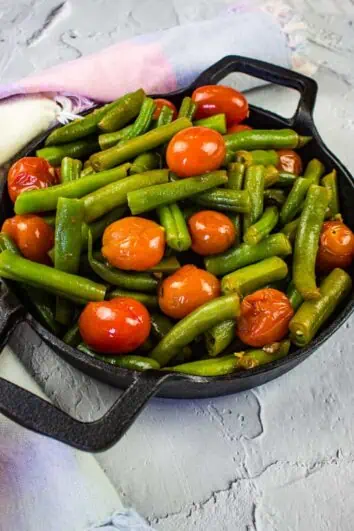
column 277, row 458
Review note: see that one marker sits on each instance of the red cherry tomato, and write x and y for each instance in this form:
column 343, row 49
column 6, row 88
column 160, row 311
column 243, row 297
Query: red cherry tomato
column 118, row 326
column 215, row 99
column 211, row 232
column 161, row 102
column 30, row 173
column 237, row 128
column 187, row 289
column 32, row 235
column 265, row 317
column 133, row 243
column 289, row 161
column 195, row 150
column 336, row 247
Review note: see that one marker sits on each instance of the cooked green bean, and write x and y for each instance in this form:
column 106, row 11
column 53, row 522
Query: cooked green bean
column 290, row 229
column 271, row 176
column 98, row 227
column 286, row 179
column 150, row 301
column 176, row 230
column 46, row 199
column 330, row 182
column 145, row 162
column 307, row 242
column 76, row 150
column 255, row 276
column 168, row 264
column 143, row 120
column 263, row 227
column 86, row 171
column 294, row 200
column 217, row 122
column 265, row 139
column 187, row 109
column 73, row 336
column 254, row 184
column 165, row 116
column 314, row 313
column 225, row 200
column 145, row 199
column 108, row 140
column 123, row 112
column 274, row 197
column 314, row 171
column 235, row 173
column 160, row 326
column 130, row 361
column 194, row 324
column 219, row 337
column 294, row 296
column 70, row 169
column 258, row 157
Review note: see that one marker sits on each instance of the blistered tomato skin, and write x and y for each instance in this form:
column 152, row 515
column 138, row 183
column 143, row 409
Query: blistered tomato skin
column 194, row 151
column 187, row 289
column 134, row 244
column 289, row 161
column 211, row 232
column 30, row 173
column 32, row 235
column 115, row 327
column 161, row 102
column 336, row 247
column 237, row 128
column 265, row 317
column 215, row 99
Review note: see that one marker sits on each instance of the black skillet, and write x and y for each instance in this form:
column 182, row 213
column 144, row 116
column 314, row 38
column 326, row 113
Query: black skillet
column 36, row 414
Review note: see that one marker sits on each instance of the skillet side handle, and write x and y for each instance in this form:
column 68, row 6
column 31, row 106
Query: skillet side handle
column 306, row 86
column 40, row 416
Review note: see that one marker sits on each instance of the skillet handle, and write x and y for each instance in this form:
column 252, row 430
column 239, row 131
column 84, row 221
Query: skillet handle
column 272, row 74
column 40, row 416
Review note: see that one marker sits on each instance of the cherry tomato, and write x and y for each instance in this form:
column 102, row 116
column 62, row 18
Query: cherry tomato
column 237, row 128
column 187, row 289
column 265, row 316
column 336, row 246
column 30, row 173
column 133, row 243
column 211, row 232
column 118, row 326
column 215, row 99
column 195, row 150
column 32, row 235
column 161, row 102
column 289, row 161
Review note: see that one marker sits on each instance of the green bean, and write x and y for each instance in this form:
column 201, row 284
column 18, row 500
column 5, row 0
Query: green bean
column 76, row 150
column 70, row 169
column 229, row 157
column 194, row 324
column 129, row 361
column 150, row 301
column 274, row 197
column 73, row 336
column 116, row 194
column 50, row 220
column 255, row 276
column 271, row 176
column 294, row 296
column 7, row 244
column 67, row 248
column 46, row 199
column 330, row 182
column 169, row 264
column 217, row 122
column 251, row 359
column 235, row 173
column 146, row 162
column 98, row 227
column 187, row 109
column 265, row 139
column 307, row 242
column 176, row 230
column 145, row 199
column 225, row 200
column 263, row 227
column 294, row 200
column 160, row 326
column 313, row 314
column 73, row 287
column 108, row 140
column 87, row 171
column 143, row 120
column 219, row 337
column 135, row 146
column 123, row 112
column 290, row 229
column 258, row 157
column 314, row 171
column 286, row 179
column 235, row 258
column 121, row 279
column 254, row 184
column 165, row 116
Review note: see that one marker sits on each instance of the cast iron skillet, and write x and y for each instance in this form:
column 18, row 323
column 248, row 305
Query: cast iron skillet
column 40, row 416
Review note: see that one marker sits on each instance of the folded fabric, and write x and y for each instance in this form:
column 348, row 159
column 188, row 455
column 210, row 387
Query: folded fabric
column 127, row 520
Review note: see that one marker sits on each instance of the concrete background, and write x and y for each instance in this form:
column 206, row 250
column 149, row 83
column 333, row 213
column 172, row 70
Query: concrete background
column 280, row 457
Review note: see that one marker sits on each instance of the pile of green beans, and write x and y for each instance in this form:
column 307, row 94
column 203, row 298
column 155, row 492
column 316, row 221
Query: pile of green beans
column 112, row 164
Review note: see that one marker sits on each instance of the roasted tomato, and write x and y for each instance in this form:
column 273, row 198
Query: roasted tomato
column 289, row 161
column 336, row 247
column 211, row 232
column 161, row 102
column 118, row 326
column 215, row 99
column 30, row 173
column 265, row 317
column 133, row 243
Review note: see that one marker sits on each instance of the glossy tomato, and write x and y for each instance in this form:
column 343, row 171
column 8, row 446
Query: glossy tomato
column 336, row 246
column 237, row 128
column 161, row 102
column 118, row 326
column 30, row 173
column 211, row 232
column 32, row 235
column 215, row 99
column 194, row 151
column 133, row 243
column 264, row 318
column 289, row 161
column 187, row 289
